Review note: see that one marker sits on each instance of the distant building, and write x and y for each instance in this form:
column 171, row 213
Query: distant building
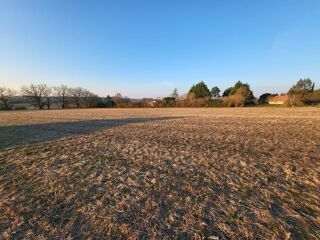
column 278, row 100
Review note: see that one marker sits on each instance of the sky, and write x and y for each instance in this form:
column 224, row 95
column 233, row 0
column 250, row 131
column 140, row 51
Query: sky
column 146, row 48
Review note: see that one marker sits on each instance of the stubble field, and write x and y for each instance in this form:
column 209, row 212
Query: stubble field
column 244, row 173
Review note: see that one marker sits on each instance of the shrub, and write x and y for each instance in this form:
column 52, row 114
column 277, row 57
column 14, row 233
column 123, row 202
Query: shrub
column 216, row 103
column 168, row 102
column 199, row 102
column 234, row 101
column 294, row 100
column 181, row 103
column 311, row 98
column 133, row 104
column 100, row 104
column 20, row 108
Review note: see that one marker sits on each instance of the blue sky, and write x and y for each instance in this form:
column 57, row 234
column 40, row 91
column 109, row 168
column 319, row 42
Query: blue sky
column 147, row 48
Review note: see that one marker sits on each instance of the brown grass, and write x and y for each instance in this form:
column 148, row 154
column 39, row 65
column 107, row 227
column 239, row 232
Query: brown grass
column 248, row 173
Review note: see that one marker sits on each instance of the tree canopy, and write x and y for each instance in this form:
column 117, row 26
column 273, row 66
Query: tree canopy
column 227, row 92
column 200, row 90
column 215, row 92
column 240, row 88
column 302, row 86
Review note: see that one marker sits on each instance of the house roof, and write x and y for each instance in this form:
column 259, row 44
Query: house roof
column 278, row 99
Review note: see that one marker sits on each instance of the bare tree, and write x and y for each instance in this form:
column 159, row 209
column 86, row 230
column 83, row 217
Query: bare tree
column 6, row 95
column 77, row 95
column 62, row 93
column 117, row 99
column 93, row 100
column 36, row 93
column 48, row 96
column 86, row 94
column 89, row 98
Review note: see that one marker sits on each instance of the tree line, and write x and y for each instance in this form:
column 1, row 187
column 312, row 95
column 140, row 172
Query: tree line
column 200, row 95
column 44, row 97
column 240, row 94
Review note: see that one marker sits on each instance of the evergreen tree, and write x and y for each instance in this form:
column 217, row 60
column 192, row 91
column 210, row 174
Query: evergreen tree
column 200, row 90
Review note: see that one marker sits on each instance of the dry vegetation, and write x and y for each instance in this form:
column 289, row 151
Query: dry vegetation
column 248, row 173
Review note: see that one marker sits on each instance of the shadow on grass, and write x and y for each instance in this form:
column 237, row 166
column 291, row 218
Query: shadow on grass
column 13, row 136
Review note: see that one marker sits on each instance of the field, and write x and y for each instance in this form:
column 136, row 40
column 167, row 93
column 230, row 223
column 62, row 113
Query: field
column 243, row 173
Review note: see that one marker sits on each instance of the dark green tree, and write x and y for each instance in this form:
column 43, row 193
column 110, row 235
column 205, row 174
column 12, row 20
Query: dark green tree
column 264, row 97
column 109, row 103
column 215, row 92
column 200, row 90
column 168, row 102
column 245, row 92
column 174, row 94
column 226, row 92
column 238, row 85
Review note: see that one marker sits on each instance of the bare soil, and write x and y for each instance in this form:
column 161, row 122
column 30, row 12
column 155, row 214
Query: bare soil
column 244, row 173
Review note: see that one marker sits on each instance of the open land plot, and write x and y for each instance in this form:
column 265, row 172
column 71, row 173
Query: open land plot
column 246, row 173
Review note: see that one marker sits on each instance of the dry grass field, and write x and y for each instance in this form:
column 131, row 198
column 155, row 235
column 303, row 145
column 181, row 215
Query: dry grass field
column 244, row 173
